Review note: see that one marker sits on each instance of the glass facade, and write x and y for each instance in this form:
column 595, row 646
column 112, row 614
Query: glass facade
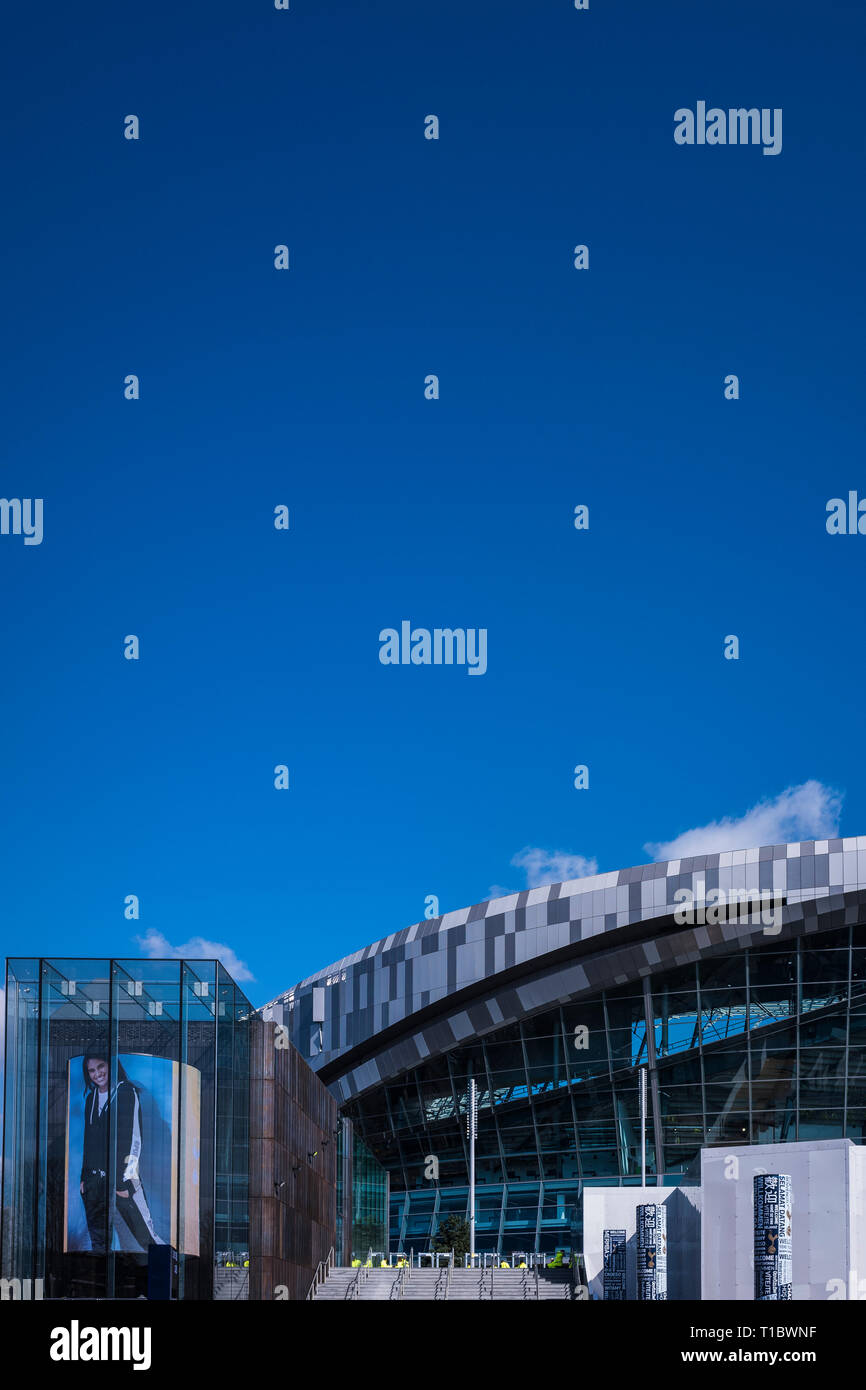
column 362, row 1198
column 760, row 1046
column 126, row 1124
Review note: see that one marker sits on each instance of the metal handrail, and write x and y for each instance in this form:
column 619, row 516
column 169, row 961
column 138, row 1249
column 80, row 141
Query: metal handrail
column 323, row 1265
column 396, row 1290
column 537, row 1290
column 492, row 1272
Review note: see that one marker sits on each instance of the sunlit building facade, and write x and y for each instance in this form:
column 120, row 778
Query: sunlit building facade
column 738, row 980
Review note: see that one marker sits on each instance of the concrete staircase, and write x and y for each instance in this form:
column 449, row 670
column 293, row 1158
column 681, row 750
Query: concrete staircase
column 231, row 1284
column 369, row 1285
column 555, row 1283
column 433, row 1285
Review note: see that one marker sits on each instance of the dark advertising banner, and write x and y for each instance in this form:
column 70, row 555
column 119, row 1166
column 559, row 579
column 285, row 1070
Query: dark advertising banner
column 144, row 1189
column 652, row 1252
column 614, row 1265
column 773, row 1249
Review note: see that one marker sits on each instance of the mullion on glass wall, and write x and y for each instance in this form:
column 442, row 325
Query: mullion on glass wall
column 570, row 1087
column 460, row 1106
column 654, row 1099
column 608, row 1050
column 797, row 1039
column 424, row 1129
column 46, row 982
column 395, row 1137
column 696, row 1038
column 20, row 1133
column 114, row 1014
column 531, row 1100
column 849, row 988
column 747, row 955
column 455, row 1099
column 700, row 1010
column 223, row 1108
column 241, row 1135
column 489, row 1075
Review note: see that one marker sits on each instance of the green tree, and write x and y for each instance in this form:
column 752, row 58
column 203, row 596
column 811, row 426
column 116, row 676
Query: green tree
column 453, row 1234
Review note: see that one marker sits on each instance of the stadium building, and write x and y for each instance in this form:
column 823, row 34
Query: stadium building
column 738, row 980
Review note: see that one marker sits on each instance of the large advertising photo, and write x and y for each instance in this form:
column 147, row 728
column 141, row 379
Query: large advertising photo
column 133, row 1148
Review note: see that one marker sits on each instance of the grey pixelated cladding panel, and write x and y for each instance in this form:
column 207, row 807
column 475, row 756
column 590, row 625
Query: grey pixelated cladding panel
column 391, row 979
column 556, row 984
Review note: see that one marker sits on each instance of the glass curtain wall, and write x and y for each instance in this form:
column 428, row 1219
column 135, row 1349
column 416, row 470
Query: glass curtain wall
column 126, row 1123
column 362, row 1198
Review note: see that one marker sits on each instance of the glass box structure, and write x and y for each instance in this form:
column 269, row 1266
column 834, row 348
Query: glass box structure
column 746, row 1006
column 126, row 1124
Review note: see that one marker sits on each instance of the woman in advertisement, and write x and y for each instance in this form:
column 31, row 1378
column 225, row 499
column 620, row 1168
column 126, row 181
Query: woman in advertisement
column 128, row 1197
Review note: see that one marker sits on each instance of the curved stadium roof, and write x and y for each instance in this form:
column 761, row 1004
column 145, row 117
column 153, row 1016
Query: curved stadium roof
column 424, row 989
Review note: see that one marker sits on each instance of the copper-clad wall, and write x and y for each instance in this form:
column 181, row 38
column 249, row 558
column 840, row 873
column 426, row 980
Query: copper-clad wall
column 293, row 1169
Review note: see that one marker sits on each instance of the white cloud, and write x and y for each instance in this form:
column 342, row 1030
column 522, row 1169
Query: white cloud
column 552, row 866
column 155, row 945
column 808, row 812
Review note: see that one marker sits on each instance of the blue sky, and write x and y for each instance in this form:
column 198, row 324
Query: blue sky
column 306, row 388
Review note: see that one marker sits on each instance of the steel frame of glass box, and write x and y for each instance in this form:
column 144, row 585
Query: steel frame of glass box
column 751, row 1030
column 185, row 1011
